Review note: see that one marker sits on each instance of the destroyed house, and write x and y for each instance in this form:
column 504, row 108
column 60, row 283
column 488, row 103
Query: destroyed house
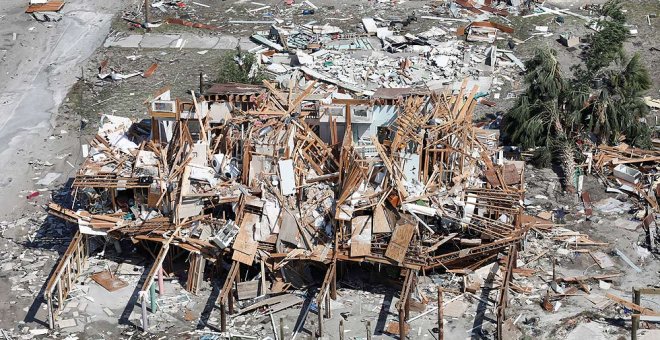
column 258, row 189
column 368, row 117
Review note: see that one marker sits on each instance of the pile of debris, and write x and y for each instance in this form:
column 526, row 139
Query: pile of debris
column 382, row 57
column 241, row 175
column 633, row 171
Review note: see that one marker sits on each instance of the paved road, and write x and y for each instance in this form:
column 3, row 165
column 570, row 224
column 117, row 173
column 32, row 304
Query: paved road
column 184, row 40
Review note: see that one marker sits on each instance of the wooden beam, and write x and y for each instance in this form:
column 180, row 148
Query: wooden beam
column 504, row 292
column 67, row 270
column 351, row 101
column 403, row 304
column 633, row 306
column 301, row 97
column 279, row 95
column 441, row 323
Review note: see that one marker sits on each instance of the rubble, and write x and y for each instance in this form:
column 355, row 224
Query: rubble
column 285, row 194
column 360, row 155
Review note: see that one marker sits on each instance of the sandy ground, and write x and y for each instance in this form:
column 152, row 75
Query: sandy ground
column 39, row 63
column 38, row 67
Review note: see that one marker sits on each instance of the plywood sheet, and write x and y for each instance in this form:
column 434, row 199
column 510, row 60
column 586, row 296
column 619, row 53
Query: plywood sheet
column 492, row 179
column 380, row 222
column 150, row 71
column 190, row 208
column 245, row 247
column 393, row 328
column 511, row 174
column 396, row 249
column 247, row 290
column 361, row 236
column 109, row 281
column 289, row 231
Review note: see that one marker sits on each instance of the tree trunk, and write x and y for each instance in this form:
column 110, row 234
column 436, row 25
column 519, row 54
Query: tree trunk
column 559, row 129
column 568, row 167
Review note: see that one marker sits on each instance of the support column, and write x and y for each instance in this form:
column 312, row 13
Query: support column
column 226, row 296
column 323, row 296
column 635, row 317
column 320, row 315
column 406, row 313
column 149, row 285
column 145, row 316
column 402, row 323
column 403, row 305
column 441, row 323
column 200, row 271
column 407, row 305
column 368, row 330
column 333, row 283
column 51, row 314
column 281, row 328
column 504, row 290
column 341, row 329
column 191, row 283
column 328, row 312
column 161, row 284
column 230, row 301
column 223, row 318
column 152, row 297
column 147, row 14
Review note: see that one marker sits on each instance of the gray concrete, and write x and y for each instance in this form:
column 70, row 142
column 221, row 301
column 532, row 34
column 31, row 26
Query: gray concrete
column 188, row 41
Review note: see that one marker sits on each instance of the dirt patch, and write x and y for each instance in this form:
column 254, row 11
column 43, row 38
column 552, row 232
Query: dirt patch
column 92, row 96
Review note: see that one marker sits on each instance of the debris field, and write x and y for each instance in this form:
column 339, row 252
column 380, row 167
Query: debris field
column 358, row 187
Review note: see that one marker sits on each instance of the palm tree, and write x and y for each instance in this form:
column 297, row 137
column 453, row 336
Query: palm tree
column 554, row 112
column 607, row 44
column 239, row 67
column 618, row 105
column 613, row 10
column 544, row 118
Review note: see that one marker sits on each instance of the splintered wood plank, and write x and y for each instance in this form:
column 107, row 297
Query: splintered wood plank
column 586, row 200
column 602, row 259
column 396, row 249
column 437, row 245
column 53, row 6
column 245, row 247
column 381, row 224
column 633, row 306
column 275, row 302
column 393, row 328
column 361, row 237
column 150, row 71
